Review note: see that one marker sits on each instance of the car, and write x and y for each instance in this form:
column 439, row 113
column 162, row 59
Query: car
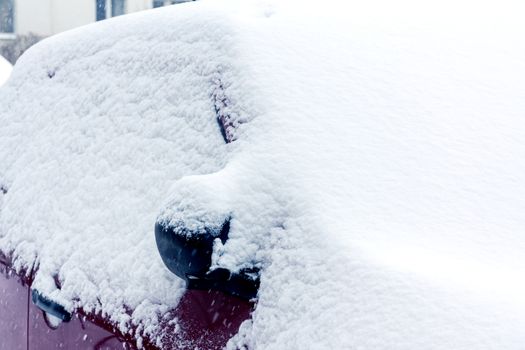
column 268, row 175
column 198, row 124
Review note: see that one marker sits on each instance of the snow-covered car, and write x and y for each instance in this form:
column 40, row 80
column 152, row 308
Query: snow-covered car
column 124, row 116
column 336, row 175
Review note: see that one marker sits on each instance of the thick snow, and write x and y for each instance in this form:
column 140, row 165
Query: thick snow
column 97, row 124
column 393, row 140
column 5, row 70
column 378, row 175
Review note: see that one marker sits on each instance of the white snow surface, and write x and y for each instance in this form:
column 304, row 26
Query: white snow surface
column 378, row 176
column 96, row 125
column 5, row 70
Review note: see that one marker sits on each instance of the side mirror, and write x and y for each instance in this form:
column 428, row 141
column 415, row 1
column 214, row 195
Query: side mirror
column 188, row 255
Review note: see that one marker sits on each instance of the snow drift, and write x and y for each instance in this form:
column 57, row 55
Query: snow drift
column 377, row 176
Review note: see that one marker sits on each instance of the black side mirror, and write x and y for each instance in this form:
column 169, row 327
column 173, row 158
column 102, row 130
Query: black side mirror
column 188, row 255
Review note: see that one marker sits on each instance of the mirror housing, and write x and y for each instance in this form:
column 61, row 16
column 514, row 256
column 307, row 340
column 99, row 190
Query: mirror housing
column 188, row 255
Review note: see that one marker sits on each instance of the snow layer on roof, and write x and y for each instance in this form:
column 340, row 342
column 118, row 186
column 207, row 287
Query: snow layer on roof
column 393, row 142
column 379, row 181
column 5, row 70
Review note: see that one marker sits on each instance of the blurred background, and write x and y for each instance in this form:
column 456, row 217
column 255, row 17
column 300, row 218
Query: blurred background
column 25, row 22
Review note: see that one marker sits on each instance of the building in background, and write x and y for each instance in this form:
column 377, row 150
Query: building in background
column 5, row 70
column 30, row 20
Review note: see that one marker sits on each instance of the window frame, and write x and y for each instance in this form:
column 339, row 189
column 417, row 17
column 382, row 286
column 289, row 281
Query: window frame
column 100, row 10
column 120, row 5
column 157, row 3
column 8, row 34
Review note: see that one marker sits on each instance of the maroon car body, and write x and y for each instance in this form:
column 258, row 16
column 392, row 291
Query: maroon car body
column 205, row 319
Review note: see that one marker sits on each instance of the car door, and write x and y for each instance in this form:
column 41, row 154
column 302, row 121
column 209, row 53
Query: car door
column 14, row 299
column 26, row 326
column 78, row 333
